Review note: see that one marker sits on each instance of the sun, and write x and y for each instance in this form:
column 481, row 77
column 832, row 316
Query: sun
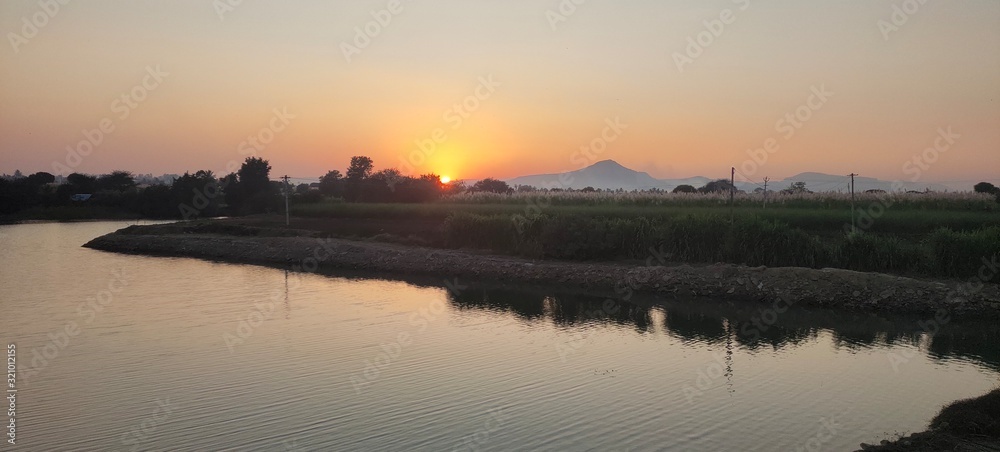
column 445, row 179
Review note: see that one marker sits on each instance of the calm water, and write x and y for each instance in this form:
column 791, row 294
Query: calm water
column 182, row 354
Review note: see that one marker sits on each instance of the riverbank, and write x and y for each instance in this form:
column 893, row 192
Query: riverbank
column 780, row 286
column 966, row 425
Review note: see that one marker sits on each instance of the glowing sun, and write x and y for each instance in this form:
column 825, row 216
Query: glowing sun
column 445, row 179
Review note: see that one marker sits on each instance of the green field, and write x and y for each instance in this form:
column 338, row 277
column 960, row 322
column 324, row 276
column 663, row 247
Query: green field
column 915, row 235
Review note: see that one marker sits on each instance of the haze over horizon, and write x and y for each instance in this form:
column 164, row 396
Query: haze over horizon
column 505, row 89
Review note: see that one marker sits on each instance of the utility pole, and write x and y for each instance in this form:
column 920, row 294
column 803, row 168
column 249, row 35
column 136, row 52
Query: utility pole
column 732, row 197
column 287, row 218
column 766, row 180
column 854, row 227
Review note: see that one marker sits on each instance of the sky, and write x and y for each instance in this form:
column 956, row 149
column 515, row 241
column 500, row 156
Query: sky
column 896, row 90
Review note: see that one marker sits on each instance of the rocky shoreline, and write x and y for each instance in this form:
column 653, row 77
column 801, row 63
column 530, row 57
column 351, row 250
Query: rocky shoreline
column 778, row 286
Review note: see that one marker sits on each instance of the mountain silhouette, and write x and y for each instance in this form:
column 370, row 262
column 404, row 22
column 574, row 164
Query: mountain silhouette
column 610, row 175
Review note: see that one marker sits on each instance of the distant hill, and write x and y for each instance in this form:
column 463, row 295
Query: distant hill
column 607, row 174
column 610, row 175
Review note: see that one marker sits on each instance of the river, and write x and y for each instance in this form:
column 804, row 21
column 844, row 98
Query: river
column 122, row 352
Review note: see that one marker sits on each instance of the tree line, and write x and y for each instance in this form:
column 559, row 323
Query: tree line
column 250, row 190
column 247, row 191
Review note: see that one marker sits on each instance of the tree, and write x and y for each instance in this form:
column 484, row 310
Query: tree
column 82, row 183
column 40, row 178
column 357, row 173
column 986, row 187
column 685, row 189
column 254, row 176
column 796, row 188
column 255, row 193
column 360, row 169
column 390, row 177
column 718, row 186
column 156, row 201
column 116, row 181
column 331, row 184
column 491, row 185
column 196, row 195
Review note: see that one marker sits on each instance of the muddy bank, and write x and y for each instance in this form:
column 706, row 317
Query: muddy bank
column 800, row 286
column 966, row 425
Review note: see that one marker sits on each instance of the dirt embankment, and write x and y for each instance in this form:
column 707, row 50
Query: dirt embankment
column 780, row 286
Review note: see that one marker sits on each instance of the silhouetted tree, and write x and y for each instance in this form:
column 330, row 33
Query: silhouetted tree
column 359, row 171
column 332, row 184
column 156, row 201
column 196, row 195
column 40, row 178
column 685, row 189
column 718, row 186
column 255, row 192
column 986, row 187
column 116, row 181
column 254, row 176
column 796, row 188
column 492, row 186
column 82, row 183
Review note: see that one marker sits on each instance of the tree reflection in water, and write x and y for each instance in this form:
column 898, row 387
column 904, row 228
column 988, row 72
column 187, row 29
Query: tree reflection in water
column 738, row 324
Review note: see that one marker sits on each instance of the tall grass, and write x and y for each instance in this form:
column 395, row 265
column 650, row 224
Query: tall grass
column 895, row 220
column 965, row 254
column 968, row 201
column 749, row 240
column 938, row 234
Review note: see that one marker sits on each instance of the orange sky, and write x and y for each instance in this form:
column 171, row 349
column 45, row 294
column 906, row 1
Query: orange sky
column 557, row 78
